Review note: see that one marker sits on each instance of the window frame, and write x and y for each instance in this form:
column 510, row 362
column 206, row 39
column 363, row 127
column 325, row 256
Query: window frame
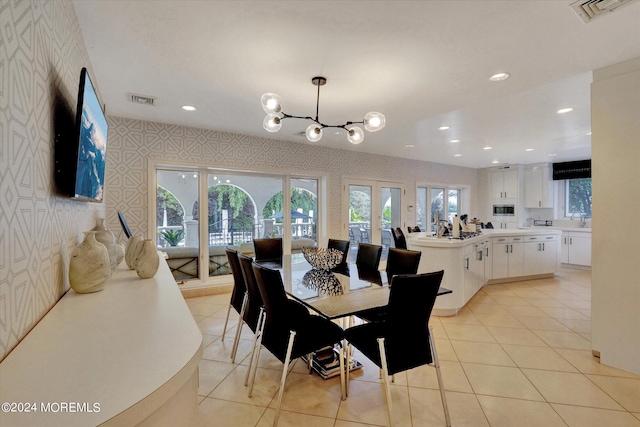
column 153, row 166
column 463, row 200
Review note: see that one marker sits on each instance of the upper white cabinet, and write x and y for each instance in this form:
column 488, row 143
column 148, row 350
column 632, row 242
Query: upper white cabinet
column 504, row 184
column 538, row 190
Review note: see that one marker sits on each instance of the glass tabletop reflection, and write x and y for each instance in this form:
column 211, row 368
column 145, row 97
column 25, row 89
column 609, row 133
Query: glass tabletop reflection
column 335, row 293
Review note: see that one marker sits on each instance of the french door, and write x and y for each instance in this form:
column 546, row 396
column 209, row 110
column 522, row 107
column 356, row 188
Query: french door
column 372, row 208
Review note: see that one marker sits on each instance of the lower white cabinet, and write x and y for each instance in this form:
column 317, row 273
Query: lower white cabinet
column 540, row 255
column 508, row 257
column 576, row 248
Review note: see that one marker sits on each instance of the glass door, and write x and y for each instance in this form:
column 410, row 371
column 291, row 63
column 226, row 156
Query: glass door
column 373, row 209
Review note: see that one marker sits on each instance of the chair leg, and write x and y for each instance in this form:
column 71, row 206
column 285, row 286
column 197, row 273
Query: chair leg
column 285, row 369
column 343, row 388
column 436, row 364
column 259, row 345
column 255, row 339
column 236, row 341
column 310, row 363
column 385, row 374
column 348, row 363
column 224, row 330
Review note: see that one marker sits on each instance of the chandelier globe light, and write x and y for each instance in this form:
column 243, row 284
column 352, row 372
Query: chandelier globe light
column 272, row 105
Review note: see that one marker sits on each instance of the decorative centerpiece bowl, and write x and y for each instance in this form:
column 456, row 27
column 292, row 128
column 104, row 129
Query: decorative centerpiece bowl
column 322, row 258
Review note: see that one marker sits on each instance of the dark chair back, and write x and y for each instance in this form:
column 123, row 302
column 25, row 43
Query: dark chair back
column 411, row 299
column 341, row 245
column 268, row 249
column 415, row 229
column 239, row 288
column 255, row 299
column 402, row 261
column 274, row 298
column 398, row 238
column 368, row 256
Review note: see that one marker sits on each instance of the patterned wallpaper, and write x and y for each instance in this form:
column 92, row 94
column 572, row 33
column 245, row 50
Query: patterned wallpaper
column 132, row 142
column 41, row 55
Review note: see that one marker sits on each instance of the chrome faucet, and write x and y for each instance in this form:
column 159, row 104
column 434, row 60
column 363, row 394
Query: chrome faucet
column 583, row 220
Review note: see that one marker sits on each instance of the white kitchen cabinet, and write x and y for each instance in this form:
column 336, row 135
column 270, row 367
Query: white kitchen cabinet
column 469, row 273
column 576, row 248
column 538, row 190
column 508, row 257
column 504, row 184
column 500, row 223
column 540, row 255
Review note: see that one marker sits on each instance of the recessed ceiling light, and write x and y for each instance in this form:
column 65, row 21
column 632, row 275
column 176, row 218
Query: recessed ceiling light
column 565, row 110
column 498, row 77
column 589, row 133
column 455, row 140
column 529, row 149
column 495, row 161
column 409, row 146
column 487, row 148
column 189, row 108
column 552, row 155
column 457, row 155
column 444, row 127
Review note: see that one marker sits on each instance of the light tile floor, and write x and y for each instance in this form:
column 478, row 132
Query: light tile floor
column 517, row 354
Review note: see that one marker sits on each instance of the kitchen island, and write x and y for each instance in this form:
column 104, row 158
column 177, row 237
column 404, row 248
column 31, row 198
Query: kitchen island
column 493, row 256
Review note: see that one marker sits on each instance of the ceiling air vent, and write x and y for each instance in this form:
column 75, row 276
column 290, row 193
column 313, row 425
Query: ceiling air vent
column 590, row 9
column 142, row 99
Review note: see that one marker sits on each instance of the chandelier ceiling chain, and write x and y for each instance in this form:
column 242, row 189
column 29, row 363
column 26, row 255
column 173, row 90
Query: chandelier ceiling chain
column 272, row 105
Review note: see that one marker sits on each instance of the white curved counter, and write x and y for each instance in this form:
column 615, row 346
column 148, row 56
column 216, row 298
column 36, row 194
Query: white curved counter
column 495, row 256
column 127, row 355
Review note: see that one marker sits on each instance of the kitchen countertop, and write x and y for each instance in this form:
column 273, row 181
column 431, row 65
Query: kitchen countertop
column 578, row 229
column 422, row 239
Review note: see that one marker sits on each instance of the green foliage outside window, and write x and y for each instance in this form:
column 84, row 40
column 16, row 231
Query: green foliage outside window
column 360, row 204
column 299, row 199
column 166, row 200
column 578, row 196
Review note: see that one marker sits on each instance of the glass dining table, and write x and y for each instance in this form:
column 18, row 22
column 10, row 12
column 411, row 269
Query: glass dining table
column 337, row 293
column 334, row 294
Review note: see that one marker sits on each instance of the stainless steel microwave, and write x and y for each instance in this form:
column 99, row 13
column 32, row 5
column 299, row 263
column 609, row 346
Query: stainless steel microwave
column 504, row 210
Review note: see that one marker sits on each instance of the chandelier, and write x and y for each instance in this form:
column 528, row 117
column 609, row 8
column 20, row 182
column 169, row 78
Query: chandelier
column 272, row 105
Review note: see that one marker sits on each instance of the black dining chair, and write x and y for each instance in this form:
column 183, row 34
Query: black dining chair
column 403, row 340
column 398, row 238
column 415, row 229
column 402, row 261
column 368, row 256
column 341, row 245
column 268, row 250
column 238, row 294
column 399, row 261
column 289, row 331
column 252, row 307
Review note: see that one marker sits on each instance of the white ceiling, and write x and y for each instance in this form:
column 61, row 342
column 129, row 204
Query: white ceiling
column 423, row 64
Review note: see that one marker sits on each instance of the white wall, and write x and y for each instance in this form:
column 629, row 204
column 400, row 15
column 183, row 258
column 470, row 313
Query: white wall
column 615, row 111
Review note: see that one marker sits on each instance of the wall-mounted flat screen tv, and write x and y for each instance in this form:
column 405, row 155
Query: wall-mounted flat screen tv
column 91, row 137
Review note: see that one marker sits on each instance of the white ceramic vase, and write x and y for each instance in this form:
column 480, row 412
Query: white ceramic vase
column 106, row 237
column 89, row 266
column 148, row 261
column 132, row 251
